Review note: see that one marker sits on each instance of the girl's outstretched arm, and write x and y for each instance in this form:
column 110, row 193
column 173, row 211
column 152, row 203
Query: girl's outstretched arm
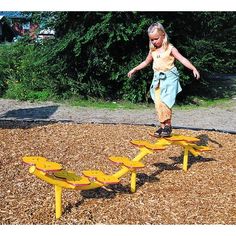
column 143, row 64
column 185, row 62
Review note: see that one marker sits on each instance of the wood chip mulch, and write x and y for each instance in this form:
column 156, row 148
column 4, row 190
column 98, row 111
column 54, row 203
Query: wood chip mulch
column 205, row 194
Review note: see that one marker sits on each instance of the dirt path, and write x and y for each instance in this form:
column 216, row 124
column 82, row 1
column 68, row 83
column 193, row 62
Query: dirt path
column 221, row 117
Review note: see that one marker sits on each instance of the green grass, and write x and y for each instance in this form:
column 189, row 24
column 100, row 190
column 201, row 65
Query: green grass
column 189, row 104
column 99, row 104
column 193, row 103
column 197, row 102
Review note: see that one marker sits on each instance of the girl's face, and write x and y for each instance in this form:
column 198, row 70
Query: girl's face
column 157, row 38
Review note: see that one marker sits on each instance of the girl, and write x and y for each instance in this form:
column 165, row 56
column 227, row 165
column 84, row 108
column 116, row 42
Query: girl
column 165, row 84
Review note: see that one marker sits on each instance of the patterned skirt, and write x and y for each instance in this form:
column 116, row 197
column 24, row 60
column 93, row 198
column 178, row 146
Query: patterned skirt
column 163, row 111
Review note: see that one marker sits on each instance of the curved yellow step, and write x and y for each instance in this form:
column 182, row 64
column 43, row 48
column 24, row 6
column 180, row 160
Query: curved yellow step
column 63, row 174
column 92, row 173
column 118, row 159
column 148, row 145
column 48, row 166
column 201, row 148
column 107, row 179
column 126, row 162
column 33, row 160
column 72, row 178
column 177, row 137
column 100, row 176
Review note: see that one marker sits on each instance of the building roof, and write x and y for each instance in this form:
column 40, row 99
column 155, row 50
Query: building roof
column 15, row 14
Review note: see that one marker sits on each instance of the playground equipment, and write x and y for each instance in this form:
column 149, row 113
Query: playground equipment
column 53, row 173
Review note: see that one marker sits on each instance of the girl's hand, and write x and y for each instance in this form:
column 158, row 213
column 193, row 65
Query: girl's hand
column 196, row 74
column 132, row 72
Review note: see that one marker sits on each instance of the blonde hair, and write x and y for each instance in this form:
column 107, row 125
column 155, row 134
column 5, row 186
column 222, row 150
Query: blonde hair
column 159, row 27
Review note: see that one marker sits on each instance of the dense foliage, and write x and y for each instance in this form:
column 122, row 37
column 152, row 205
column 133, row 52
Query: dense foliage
column 93, row 52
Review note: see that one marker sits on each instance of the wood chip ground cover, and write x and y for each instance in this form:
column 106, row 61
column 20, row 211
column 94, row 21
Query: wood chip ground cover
column 205, row 194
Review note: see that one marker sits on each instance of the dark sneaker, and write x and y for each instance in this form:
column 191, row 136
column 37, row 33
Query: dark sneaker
column 158, row 132
column 166, row 132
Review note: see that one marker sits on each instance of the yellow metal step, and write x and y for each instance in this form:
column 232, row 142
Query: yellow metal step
column 100, row 176
column 71, row 178
column 33, row 160
column 48, row 166
column 126, row 162
column 177, row 137
column 42, row 164
column 201, row 148
column 148, row 145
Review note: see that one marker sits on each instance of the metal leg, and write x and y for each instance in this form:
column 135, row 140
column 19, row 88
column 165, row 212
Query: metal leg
column 133, row 181
column 185, row 161
column 58, row 196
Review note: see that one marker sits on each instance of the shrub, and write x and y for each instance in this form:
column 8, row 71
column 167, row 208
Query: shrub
column 93, row 52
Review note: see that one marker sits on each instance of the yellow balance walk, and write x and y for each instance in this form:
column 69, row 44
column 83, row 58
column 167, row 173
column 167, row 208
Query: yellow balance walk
column 54, row 174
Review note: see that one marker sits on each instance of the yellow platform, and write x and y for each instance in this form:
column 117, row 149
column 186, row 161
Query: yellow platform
column 126, row 162
column 100, row 176
column 48, row 166
column 148, row 145
column 32, row 160
column 72, row 178
column 177, row 137
column 42, row 163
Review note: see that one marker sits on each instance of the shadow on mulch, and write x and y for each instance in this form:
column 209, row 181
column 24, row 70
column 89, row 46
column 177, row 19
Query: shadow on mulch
column 110, row 191
column 191, row 160
column 68, row 208
column 103, row 192
column 98, row 193
column 204, row 140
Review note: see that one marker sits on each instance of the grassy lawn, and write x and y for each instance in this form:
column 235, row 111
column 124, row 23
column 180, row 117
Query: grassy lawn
column 189, row 104
column 204, row 103
column 99, row 104
column 193, row 104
